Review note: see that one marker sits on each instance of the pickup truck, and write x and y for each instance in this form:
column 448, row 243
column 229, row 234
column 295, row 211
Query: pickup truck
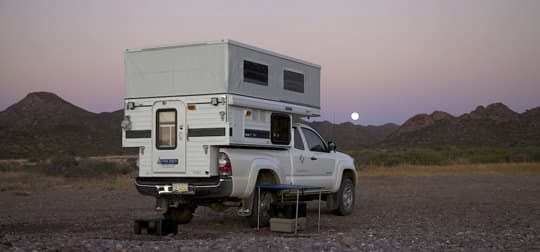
column 309, row 161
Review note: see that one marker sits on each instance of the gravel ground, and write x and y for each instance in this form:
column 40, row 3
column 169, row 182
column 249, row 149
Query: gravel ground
column 489, row 213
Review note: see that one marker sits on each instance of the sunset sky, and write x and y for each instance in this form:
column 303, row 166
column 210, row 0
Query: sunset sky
column 386, row 60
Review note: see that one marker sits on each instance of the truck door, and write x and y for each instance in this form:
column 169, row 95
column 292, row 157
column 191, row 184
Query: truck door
column 309, row 168
column 300, row 172
column 319, row 161
column 168, row 140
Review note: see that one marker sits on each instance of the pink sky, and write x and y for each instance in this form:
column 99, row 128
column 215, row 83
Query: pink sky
column 386, row 60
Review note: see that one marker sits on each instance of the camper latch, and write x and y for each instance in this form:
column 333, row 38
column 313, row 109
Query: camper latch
column 205, row 147
column 214, row 101
column 222, row 114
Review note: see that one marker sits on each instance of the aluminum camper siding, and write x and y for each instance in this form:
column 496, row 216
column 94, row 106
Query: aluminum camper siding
column 199, row 160
column 277, row 64
column 196, row 69
column 216, row 68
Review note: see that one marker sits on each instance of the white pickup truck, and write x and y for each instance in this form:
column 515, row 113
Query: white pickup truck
column 213, row 119
column 311, row 161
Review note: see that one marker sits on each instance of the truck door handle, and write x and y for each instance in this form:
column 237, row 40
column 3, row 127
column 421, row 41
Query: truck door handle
column 313, row 158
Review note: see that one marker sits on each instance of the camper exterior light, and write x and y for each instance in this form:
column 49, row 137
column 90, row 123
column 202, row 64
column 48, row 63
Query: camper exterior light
column 130, row 105
column 126, row 123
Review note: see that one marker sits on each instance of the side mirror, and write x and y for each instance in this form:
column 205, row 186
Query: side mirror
column 332, row 146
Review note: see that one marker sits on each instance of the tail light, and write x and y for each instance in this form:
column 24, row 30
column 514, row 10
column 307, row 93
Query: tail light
column 225, row 168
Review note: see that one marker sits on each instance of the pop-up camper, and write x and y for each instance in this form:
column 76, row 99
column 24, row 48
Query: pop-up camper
column 215, row 94
column 212, row 120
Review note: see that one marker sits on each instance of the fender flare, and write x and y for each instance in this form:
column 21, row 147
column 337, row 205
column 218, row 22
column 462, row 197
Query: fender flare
column 258, row 165
column 342, row 167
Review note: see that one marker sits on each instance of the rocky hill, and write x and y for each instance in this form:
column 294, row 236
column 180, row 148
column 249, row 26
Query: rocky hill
column 494, row 125
column 350, row 136
column 42, row 124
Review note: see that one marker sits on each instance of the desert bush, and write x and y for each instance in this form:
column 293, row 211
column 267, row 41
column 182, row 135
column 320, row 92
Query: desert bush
column 58, row 165
column 7, row 167
column 69, row 166
column 95, row 168
column 444, row 156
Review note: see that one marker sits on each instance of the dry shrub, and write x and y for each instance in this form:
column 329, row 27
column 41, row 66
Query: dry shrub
column 69, row 166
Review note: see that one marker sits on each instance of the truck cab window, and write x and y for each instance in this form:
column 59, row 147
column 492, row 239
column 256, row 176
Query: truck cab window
column 280, row 129
column 298, row 144
column 166, row 129
column 314, row 142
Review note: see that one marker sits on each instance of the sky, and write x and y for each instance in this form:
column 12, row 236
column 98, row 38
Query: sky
column 386, row 60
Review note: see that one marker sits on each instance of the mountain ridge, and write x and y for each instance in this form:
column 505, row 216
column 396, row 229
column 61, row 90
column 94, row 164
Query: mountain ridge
column 43, row 124
column 493, row 125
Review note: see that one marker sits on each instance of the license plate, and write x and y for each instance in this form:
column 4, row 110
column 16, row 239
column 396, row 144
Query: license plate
column 168, row 161
column 180, row 187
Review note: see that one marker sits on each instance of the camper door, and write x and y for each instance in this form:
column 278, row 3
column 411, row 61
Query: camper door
column 169, row 140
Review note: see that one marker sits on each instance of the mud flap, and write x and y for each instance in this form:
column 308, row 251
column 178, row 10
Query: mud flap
column 247, row 205
column 331, row 202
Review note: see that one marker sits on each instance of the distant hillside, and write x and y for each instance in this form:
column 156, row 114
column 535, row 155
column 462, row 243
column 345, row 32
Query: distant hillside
column 43, row 123
column 494, row 125
column 349, row 136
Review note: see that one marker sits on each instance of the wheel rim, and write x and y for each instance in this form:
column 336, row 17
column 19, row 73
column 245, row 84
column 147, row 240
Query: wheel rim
column 347, row 197
column 266, row 200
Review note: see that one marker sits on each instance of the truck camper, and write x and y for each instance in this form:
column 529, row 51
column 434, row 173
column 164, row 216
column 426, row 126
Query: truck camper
column 213, row 119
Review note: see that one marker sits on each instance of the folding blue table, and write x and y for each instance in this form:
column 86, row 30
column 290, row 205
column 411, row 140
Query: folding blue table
column 285, row 187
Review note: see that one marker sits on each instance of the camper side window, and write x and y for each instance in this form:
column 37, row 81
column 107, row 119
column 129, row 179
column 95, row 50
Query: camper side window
column 293, row 81
column 166, row 129
column 255, row 73
column 280, row 129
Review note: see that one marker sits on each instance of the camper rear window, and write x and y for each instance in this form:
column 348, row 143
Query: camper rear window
column 255, row 73
column 166, row 129
column 280, row 129
column 293, row 81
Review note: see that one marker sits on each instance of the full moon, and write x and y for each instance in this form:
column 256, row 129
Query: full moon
column 355, row 116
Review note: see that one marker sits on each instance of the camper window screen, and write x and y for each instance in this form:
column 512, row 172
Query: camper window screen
column 166, row 133
column 280, row 129
column 293, row 81
column 255, row 73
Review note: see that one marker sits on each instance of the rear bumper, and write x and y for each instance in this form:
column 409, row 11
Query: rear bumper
column 160, row 187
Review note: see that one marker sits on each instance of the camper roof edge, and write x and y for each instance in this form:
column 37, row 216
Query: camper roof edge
column 279, row 106
column 225, row 41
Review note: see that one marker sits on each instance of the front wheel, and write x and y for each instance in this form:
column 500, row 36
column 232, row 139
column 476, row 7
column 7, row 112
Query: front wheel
column 345, row 197
column 180, row 214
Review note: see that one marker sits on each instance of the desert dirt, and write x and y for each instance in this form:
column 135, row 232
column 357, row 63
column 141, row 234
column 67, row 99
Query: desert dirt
column 490, row 213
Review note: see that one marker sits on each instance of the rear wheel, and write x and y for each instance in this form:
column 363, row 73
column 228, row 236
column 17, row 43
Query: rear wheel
column 261, row 207
column 180, row 215
column 345, row 197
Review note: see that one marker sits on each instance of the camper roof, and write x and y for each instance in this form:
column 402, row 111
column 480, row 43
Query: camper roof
column 220, row 67
column 224, row 41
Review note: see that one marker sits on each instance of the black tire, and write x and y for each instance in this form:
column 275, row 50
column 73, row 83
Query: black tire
column 267, row 198
column 137, row 228
column 345, row 197
column 180, row 214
